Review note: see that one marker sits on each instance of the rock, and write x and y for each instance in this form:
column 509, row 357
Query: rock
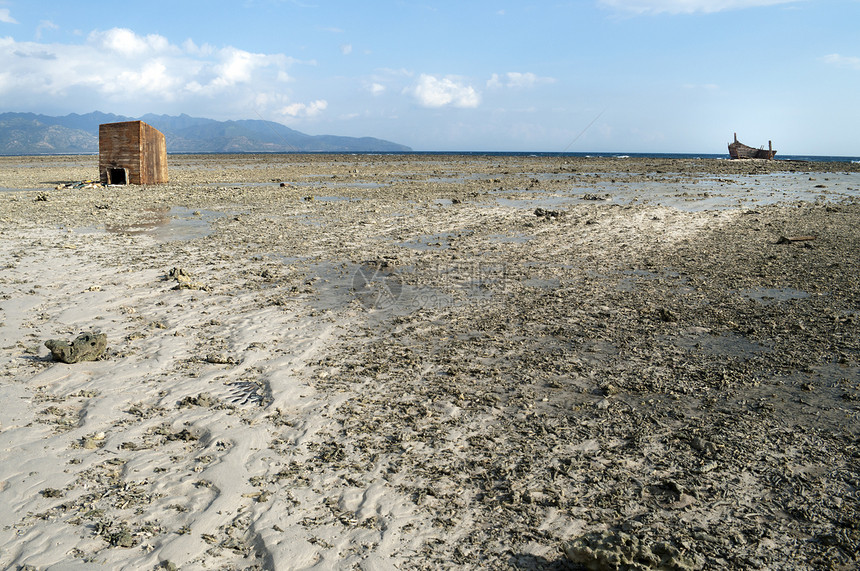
column 86, row 347
column 666, row 316
column 220, row 359
column 594, row 196
column 203, row 399
column 121, row 538
column 622, row 551
column 548, row 214
column 184, row 280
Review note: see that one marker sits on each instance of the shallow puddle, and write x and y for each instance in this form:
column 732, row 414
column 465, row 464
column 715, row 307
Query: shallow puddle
column 170, row 224
column 429, row 242
column 826, row 397
column 768, row 296
column 509, row 238
column 336, row 199
column 726, row 344
column 5, row 189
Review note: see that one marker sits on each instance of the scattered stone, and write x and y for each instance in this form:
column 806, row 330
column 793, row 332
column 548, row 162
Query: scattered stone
column 220, row 359
column 121, row 538
column 203, row 399
column 93, row 441
column 790, row 239
column 608, row 390
column 184, row 280
column 86, row 347
column 549, row 214
column 594, row 196
column 183, row 435
column 666, row 316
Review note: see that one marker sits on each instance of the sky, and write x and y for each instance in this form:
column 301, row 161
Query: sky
column 657, row 76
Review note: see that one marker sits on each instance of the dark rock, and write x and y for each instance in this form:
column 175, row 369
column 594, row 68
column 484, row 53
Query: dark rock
column 666, row 316
column 548, row 214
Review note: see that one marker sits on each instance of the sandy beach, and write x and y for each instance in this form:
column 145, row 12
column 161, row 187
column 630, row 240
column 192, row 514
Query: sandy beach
column 432, row 362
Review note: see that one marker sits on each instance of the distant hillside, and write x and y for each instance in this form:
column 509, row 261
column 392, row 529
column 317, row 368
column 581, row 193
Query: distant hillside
column 32, row 134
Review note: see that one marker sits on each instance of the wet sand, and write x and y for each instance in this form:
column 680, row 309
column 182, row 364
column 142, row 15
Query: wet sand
column 432, row 362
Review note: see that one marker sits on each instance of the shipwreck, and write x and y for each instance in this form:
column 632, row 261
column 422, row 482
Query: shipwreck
column 738, row 150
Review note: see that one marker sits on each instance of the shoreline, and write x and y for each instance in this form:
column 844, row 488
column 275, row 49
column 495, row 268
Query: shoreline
column 507, row 362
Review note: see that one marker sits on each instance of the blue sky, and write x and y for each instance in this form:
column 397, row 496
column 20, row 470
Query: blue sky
column 585, row 75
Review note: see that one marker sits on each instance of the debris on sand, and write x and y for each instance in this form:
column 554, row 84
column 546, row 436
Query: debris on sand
column 78, row 185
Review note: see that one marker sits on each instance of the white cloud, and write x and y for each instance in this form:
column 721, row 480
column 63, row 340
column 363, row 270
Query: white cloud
column 431, row 91
column 346, row 49
column 126, row 43
column 6, row 16
column 842, row 61
column 118, row 70
column 311, row 109
column 189, row 47
column 514, row 79
column 45, row 25
column 686, row 6
column 237, row 66
column 376, row 88
column 153, row 77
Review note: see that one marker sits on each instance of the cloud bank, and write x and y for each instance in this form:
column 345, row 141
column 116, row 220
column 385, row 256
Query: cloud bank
column 686, row 6
column 138, row 73
column 843, row 61
column 515, row 79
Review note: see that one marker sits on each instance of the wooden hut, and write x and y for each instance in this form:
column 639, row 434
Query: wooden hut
column 131, row 152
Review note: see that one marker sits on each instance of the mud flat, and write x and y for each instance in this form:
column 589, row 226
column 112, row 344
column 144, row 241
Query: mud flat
column 425, row 362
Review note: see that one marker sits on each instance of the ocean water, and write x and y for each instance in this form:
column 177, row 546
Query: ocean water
column 620, row 155
column 806, row 158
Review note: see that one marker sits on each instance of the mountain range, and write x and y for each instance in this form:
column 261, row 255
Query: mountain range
column 32, row 134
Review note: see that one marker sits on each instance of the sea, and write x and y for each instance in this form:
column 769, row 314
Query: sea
column 801, row 158
column 725, row 156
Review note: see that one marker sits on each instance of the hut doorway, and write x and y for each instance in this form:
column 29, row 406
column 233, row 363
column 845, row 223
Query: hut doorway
column 117, row 175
